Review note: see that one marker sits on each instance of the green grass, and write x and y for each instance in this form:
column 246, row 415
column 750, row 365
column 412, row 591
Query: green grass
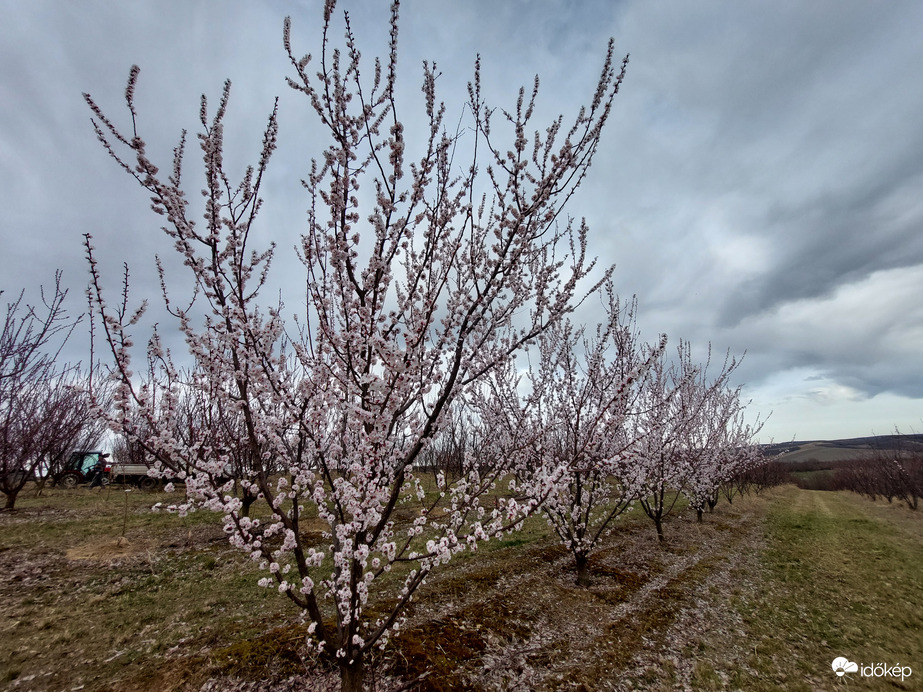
column 840, row 578
column 124, row 595
column 99, row 581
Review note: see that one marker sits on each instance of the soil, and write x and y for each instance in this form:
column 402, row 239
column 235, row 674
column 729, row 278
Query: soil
column 512, row 618
column 516, row 620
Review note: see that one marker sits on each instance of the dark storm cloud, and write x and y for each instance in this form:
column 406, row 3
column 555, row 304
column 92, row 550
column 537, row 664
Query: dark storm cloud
column 769, row 165
column 758, row 187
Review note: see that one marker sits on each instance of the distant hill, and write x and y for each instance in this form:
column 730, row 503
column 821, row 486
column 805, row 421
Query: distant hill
column 841, row 450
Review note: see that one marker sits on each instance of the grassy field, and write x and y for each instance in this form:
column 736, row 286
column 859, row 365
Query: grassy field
column 99, row 593
column 840, row 576
column 836, row 576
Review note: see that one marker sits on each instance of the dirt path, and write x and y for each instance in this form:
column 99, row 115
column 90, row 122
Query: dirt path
column 522, row 624
column 761, row 596
column 515, row 620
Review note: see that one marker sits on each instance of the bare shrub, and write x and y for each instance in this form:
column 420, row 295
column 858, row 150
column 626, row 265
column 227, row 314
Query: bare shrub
column 46, row 408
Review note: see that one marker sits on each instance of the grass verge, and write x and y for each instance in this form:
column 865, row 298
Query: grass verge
column 839, row 578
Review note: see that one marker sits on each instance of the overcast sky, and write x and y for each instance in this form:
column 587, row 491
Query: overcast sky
column 759, row 188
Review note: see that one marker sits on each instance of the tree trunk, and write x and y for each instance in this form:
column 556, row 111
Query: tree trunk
column 583, row 571
column 10, row 501
column 698, row 515
column 352, row 675
column 658, row 522
column 247, row 500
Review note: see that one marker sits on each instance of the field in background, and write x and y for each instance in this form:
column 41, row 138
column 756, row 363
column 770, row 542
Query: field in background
column 99, row 593
column 841, row 450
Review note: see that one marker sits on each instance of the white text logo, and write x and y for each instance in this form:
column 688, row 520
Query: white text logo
column 842, row 665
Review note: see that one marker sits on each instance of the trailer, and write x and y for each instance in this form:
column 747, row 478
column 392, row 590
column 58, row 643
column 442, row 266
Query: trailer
column 133, row 474
column 81, row 466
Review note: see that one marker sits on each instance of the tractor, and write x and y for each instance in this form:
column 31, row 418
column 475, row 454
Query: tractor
column 80, row 468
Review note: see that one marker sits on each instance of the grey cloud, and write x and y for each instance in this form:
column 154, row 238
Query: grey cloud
column 761, row 170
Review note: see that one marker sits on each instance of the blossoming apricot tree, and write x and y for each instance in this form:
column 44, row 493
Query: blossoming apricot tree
column 448, row 272
column 578, row 395
column 721, row 444
column 676, row 427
